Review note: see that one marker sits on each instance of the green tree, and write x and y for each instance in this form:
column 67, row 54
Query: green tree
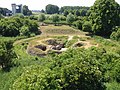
column 26, row 10
column 55, row 18
column 6, row 54
column 24, row 31
column 70, row 18
column 116, row 34
column 41, row 17
column 52, row 9
column 1, row 16
column 104, row 15
column 65, row 13
column 77, row 13
column 87, row 26
column 78, row 24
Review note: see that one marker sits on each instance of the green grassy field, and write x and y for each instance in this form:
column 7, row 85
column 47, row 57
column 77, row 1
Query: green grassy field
column 60, row 30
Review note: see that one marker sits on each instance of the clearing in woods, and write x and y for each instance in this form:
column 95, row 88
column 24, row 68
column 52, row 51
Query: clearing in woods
column 57, row 39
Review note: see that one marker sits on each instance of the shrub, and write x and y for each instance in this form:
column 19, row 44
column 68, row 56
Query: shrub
column 41, row 17
column 87, row 26
column 70, row 18
column 78, row 24
column 76, row 69
column 115, row 35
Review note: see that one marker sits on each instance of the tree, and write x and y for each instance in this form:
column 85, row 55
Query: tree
column 26, row 10
column 83, row 12
column 116, row 34
column 104, row 15
column 12, row 26
column 70, row 18
column 41, row 17
column 55, row 18
column 78, row 24
column 52, row 9
column 77, row 13
column 65, row 13
column 1, row 16
column 6, row 54
column 87, row 26
column 42, row 11
column 24, row 31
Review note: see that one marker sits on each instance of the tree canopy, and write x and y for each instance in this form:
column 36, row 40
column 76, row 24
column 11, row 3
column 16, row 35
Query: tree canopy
column 104, row 15
column 52, row 9
column 70, row 18
column 11, row 27
column 26, row 10
column 6, row 53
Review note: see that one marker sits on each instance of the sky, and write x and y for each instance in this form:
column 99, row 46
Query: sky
column 40, row 4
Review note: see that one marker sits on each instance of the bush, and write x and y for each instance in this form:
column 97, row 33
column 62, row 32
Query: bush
column 115, row 35
column 70, row 18
column 78, row 24
column 6, row 54
column 12, row 26
column 55, row 18
column 41, row 17
column 87, row 27
column 76, row 69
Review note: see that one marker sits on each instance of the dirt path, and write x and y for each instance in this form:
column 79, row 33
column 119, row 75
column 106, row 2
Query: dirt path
column 70, row 38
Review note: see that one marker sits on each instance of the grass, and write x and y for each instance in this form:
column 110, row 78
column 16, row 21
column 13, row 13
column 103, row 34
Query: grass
column 61, row 33
column 60, row 30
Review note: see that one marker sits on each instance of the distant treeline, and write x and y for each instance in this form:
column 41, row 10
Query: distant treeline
column 3, row 11
column 77, row 10
column 74, row 8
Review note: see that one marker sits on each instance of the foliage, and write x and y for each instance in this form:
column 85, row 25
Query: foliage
column 24, row 31
column 3, row 11
column 12, row 26
column 78, row 24
column 41, row 17
column 77, row 13
column 1, row 16
column 74, row 69
column 113, row 86
column 75, row 9
column 104, row 15
column 6, row 54
column 65, row 13
column 52, row 9
column 116, row 34
column 70, row 18
column 87, row 26
column 55, row 18
column 26, row 10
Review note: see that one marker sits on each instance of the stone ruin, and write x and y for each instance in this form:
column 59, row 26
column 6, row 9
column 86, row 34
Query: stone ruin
column 55, row 45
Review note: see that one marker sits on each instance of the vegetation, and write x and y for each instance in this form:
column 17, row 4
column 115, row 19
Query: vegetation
column 6, row 54
column 55, row 18
column 52, row 9
column 15, row 26
column 41, row 17
column 87, row 26
column 62, row 57
column 70, row 18
column 104, row 15
column 116, row 34
column 3, row 11
column 26, row 10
